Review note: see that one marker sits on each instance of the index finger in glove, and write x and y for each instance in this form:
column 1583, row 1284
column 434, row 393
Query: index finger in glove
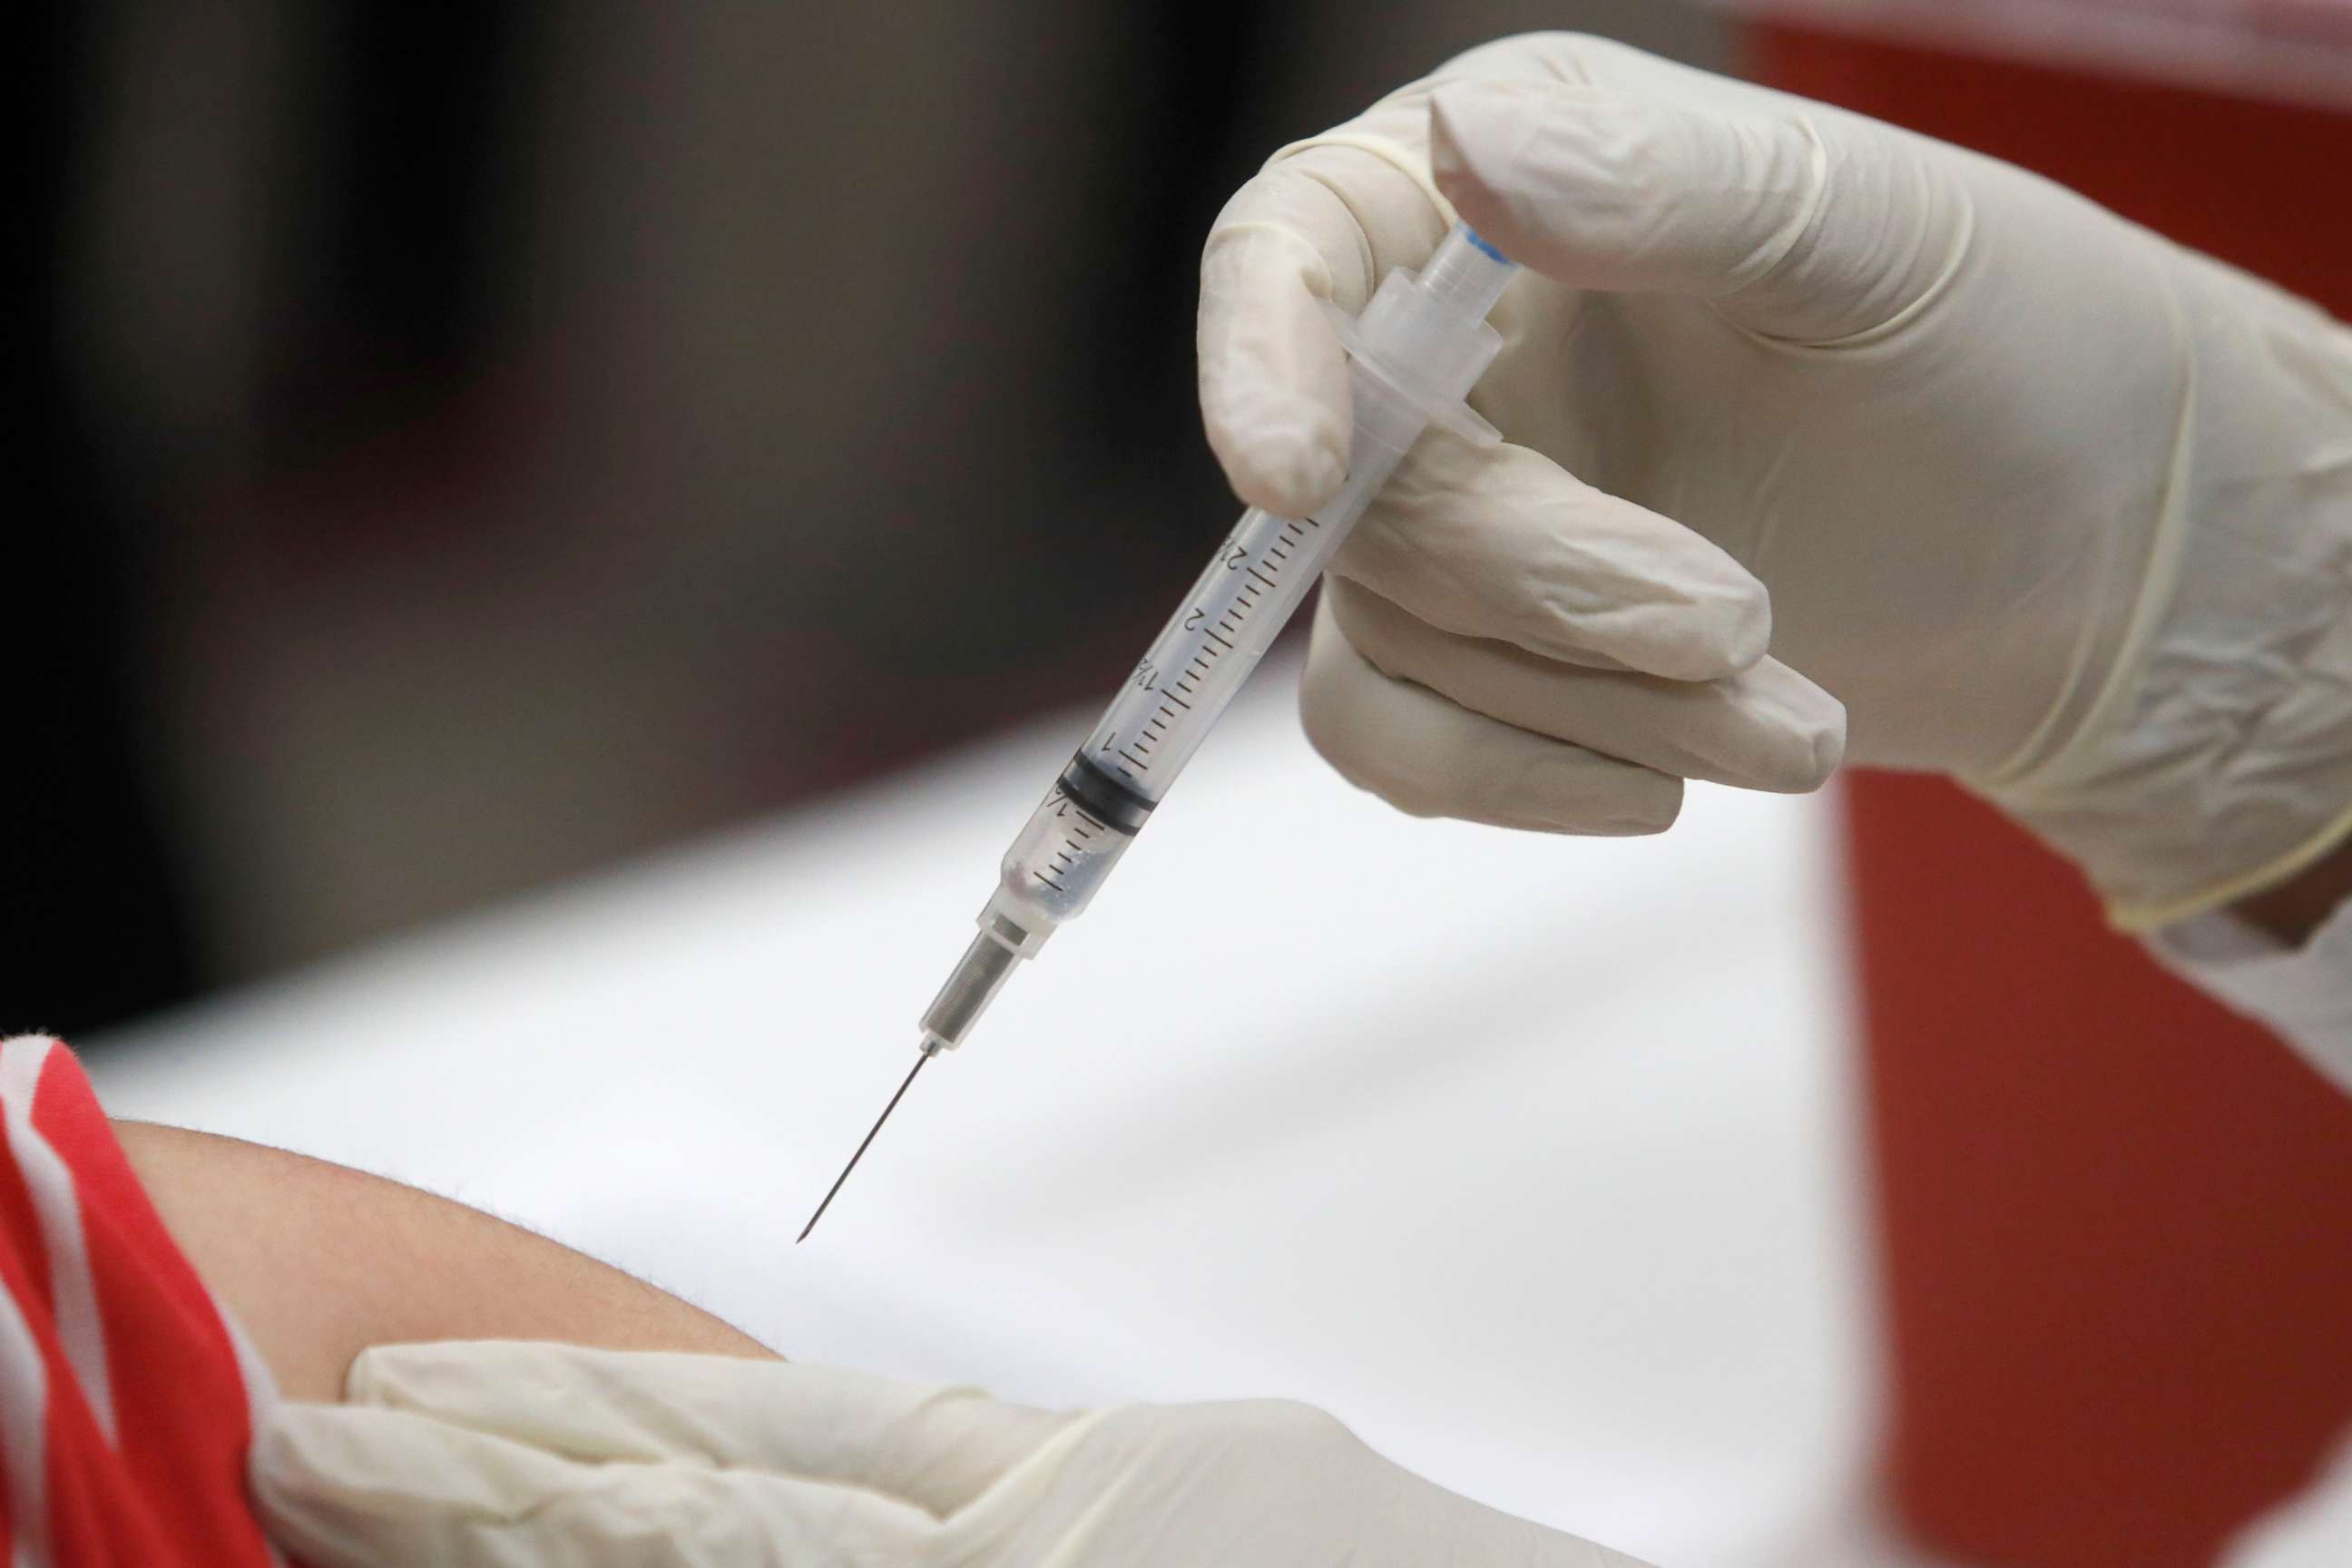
column 935, row 1448
column 349, row 1487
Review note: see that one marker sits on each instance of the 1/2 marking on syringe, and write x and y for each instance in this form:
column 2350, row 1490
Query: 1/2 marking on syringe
column 1261, row 577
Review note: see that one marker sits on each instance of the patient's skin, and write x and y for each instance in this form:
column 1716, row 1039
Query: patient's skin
column 318, row 1262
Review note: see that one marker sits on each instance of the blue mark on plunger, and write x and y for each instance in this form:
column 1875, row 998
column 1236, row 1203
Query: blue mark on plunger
column 1480, row 241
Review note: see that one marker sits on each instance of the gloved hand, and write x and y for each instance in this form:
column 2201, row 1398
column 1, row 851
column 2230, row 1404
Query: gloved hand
column 2048, row 503
column 471, row 1455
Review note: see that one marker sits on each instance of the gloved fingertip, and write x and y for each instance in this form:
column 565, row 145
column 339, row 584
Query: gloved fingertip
column 1275, row 403
column 1290, row 468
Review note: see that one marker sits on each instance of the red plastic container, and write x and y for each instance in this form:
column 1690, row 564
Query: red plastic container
column 2115, row 1221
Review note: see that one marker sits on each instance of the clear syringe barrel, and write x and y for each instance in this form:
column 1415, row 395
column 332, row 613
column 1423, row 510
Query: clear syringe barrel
column 1415, row 350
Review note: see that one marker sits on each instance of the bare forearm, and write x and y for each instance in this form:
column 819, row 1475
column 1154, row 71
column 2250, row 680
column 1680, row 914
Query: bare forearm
column 319, row 1262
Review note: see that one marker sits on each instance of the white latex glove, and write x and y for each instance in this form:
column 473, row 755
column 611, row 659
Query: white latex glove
column 503, row 1455
column 2047, row 502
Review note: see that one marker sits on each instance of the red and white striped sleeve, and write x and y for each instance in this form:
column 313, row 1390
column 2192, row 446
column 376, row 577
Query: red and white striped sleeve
column 128, row 1397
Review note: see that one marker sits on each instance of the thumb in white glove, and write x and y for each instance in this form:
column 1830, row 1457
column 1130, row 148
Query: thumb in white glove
column 499, row 1455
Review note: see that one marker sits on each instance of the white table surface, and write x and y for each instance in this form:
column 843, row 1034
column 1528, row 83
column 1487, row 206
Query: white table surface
column 1532, row 1158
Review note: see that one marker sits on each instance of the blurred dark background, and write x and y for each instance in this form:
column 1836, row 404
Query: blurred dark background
column 471, row 445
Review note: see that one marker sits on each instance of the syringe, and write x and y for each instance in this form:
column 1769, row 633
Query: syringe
column 1421, row 344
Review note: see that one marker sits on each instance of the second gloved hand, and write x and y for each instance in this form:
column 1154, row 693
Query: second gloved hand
column 2047, row 503
column 507, row 1455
